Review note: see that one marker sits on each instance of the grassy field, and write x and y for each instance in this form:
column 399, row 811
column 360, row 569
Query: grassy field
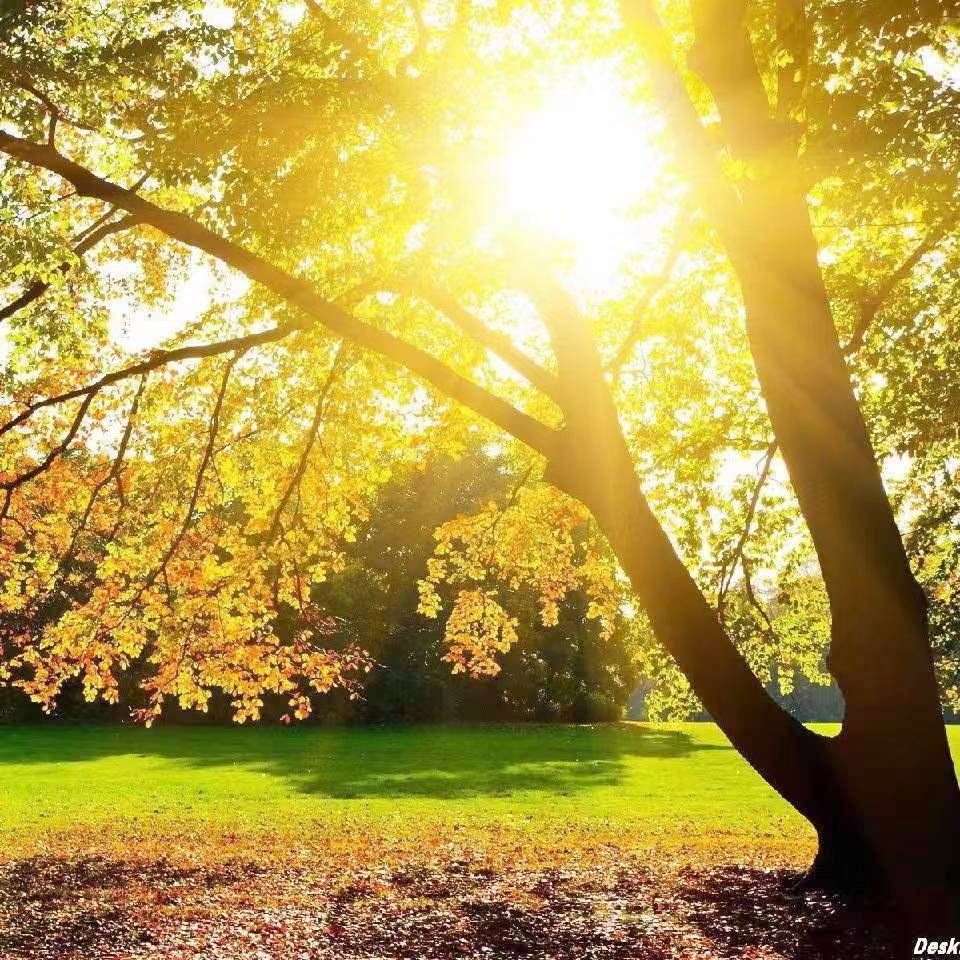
column 674, row 778
column 662, row 775
column 679, row 778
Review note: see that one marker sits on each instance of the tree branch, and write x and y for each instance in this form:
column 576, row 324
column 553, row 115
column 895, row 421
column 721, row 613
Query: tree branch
column 723, row 55
column 112, row 475
column 22, row 77
column 871, row 303
column 154, row 361
column 475, row 328
column 311, row 440
column 292, row 289
column 90, row 239
column 730, row 567
column 626, row 348
column 208, row 453
column 18, row 481
column 793, row 35
column 696, row 155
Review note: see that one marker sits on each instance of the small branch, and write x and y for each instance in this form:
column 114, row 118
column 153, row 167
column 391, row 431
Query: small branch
column 308, row 446
column 754, row 601
column 208, row 453
column 871, row 304
column 22, row 78
column 730, row 567
column 57, row 451
column 156, row 360
column 294, row 290
column 90, row 238
column 112, row 476
column 626, row 348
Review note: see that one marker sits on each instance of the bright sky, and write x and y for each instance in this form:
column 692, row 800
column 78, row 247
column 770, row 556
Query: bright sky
column 136, row 327
column 586, row 169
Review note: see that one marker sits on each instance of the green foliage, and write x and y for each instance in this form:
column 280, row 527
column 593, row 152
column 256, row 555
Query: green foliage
column 354, row 146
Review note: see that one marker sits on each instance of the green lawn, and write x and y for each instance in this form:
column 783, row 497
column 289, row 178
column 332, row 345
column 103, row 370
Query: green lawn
column 675, row 778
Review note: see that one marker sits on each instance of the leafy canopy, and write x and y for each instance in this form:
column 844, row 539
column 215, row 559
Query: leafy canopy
column 184, row 458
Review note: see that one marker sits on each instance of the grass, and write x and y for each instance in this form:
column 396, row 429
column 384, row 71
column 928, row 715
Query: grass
column 674, row 780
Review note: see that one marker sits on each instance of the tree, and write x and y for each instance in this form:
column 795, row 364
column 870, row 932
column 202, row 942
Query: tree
column 333, row 162
column 570, row 671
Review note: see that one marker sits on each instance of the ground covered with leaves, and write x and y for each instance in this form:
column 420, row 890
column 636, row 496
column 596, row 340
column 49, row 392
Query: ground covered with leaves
column 448, row 896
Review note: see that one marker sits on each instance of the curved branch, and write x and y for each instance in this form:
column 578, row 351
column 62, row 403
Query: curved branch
column 298, row 292
column 18, row 481
column 156, row 360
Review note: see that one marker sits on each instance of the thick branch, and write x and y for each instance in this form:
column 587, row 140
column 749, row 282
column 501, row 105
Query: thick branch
column 294, row 290
column 793, row 35
column 695, row 153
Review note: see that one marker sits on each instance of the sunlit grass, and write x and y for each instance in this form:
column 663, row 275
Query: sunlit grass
column 634, row 783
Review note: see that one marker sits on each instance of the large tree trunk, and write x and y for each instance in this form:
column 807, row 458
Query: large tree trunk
column 892, row 760
column 875, row 832
column 597, row 470
column 891, row 765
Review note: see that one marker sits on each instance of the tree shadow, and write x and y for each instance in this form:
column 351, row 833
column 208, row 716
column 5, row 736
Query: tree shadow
column 746, row 912
column 436, row 762
column 618, row 910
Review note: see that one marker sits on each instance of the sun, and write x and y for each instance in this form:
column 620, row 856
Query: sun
column 586, row 170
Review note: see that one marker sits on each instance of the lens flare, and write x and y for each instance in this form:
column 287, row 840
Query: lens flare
column 585, row 170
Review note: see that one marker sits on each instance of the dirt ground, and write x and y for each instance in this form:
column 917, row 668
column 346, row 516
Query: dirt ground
column 603, row 906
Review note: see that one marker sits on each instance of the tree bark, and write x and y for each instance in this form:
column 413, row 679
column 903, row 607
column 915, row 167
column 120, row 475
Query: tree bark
column 876, row 833
column 892, row 761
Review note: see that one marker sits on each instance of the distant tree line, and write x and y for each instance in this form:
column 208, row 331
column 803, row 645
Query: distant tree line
column 567, row 672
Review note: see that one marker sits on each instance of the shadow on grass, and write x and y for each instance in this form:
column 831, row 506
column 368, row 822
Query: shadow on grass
column 388, row 762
